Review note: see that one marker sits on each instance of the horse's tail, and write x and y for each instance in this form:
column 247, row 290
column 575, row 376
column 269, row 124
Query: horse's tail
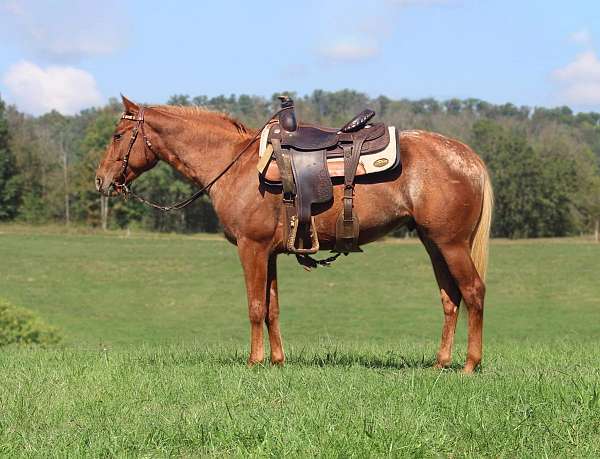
column 481, row 237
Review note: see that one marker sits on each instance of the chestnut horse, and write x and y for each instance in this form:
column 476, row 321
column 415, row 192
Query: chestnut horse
column 442, row 189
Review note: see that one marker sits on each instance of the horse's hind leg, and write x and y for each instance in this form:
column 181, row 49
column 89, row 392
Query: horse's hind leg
column 450, row 296
column 272, row 317
column 459, row 261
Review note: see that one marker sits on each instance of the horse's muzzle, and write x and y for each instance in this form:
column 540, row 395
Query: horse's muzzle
column 105, row 187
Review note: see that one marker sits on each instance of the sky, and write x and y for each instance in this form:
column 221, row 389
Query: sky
column 70, row 55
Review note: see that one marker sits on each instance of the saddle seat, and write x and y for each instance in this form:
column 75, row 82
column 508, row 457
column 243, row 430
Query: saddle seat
column 311, row 137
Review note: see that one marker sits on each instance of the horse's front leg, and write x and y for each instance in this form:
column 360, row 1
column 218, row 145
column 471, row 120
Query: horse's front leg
column 255, row 261
column 272, row 318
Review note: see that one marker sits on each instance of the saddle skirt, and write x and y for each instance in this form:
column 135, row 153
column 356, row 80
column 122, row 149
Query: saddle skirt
column 370, row 162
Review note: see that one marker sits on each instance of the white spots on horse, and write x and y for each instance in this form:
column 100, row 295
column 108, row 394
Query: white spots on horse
column 468, row 165
column 463, row 164
column 461, row 159
column 413, row 133
column 415, row 190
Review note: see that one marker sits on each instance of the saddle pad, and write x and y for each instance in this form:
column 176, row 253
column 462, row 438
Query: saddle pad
column 368, row 164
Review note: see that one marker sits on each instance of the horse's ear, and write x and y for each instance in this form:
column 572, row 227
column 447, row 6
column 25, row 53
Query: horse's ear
column 130, row 107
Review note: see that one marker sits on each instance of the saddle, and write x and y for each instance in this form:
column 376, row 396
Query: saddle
column 307, row 156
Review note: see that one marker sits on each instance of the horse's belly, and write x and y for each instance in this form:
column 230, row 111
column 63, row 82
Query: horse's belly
column 379, row 209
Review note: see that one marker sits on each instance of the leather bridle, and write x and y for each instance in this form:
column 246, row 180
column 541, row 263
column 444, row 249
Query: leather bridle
column 139, row 126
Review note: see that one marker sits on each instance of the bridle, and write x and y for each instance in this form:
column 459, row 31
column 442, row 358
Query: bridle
column 139, row 126
column 126, row 190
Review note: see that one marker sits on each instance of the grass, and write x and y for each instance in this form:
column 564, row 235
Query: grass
column 156, row 329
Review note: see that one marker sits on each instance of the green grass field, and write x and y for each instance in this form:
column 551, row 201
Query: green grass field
column 156, row 331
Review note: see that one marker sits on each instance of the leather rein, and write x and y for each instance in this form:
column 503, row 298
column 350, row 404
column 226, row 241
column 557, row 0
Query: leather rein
column 127, row 191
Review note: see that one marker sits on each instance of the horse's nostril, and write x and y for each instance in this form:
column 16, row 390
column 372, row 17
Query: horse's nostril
column 98, row 183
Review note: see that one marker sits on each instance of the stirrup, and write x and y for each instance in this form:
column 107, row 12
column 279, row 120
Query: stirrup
column 293, row 237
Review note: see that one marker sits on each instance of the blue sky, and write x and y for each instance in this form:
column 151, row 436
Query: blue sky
column 69, row 55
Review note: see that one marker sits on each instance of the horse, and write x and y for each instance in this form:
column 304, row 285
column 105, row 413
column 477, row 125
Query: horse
column 442, row 190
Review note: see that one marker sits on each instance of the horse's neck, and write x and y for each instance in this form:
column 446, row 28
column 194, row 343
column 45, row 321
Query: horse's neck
column 201, row 153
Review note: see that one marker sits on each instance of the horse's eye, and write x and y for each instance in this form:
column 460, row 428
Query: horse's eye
column 117, row 136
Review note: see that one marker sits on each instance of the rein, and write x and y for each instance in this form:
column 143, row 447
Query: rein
column 127, row 191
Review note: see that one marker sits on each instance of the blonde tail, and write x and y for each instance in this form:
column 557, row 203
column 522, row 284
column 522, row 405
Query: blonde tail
column 481, row 239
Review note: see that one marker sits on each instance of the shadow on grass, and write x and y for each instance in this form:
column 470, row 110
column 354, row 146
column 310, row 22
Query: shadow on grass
column 372, row 359
column 385, row 361
column 346, row 358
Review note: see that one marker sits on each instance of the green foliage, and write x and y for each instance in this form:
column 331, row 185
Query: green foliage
column 532, row 192
column 21, row 326
column 9, row 181
column 96, row 135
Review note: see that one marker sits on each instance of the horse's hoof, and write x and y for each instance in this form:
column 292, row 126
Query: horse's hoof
column 469, row 369
column 253, row 362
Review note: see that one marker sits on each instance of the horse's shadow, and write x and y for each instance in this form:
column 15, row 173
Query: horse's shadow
column 388, row 361
column 345, row 358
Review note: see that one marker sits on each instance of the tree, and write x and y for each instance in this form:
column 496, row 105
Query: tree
column 532, row 193
column 9, row 179
column 89, row 206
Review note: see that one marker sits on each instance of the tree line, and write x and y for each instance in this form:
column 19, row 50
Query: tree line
column 544, row 162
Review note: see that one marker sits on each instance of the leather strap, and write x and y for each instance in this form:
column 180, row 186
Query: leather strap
column 347, row 227
column 351, row 159
column 284, row 162
column 289, row 190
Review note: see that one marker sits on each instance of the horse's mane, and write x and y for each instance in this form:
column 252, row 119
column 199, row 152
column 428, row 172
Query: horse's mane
column 202, row 114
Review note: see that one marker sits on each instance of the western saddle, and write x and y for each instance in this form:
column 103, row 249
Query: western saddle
column 305, row 155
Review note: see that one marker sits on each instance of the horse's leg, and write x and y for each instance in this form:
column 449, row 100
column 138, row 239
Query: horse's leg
column 472, row 289
column 272, row 317
column 255, row 259
column 450, row 296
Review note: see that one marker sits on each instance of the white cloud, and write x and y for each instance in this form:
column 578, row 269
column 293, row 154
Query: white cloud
column 586, row 66
column 349, row 51
column 39, row 90
column 63, row 30
column 582, row 37
column 13, row 7
column 580, row 80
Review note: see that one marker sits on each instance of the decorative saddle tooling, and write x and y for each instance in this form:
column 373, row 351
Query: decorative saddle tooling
column 303, row 158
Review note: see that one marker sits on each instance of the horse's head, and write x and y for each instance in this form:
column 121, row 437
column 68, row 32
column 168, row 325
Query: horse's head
column 128, row 154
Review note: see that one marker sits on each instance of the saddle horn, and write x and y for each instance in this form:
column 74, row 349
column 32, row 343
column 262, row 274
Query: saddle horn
column 287, row 118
